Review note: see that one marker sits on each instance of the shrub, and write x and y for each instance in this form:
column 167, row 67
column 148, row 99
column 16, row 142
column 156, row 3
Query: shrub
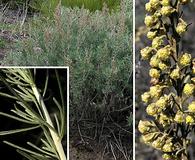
column 94, row 44
column 170, row 97
column 97, row 47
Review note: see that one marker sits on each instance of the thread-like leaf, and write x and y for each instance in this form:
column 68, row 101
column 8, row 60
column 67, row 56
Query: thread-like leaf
column 46, row 83
column 24, row 154
column 23, row 149
column 2, row 133
column 7, row 95
column 61, row 117
column 16, row 118
column 41, row 150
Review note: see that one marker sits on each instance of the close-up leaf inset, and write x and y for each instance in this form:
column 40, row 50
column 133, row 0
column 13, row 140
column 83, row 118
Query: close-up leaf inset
column 36, row 106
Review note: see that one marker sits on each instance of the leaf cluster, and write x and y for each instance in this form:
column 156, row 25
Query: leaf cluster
column 29, row 108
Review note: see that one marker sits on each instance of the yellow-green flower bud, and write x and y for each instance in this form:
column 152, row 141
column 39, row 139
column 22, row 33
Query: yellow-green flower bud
column 151, row 109
column 162, row 102
column 181, row 27
column 163, row 66
column 151, row 34
column 164, row 119
column 167, row 10
column 154, row 61
column 154, row 73
column 155, row 3
column 175, row 74
column 150, row 21
column 157, row 14
column 188, row 89
column 157, row 42
column 144, row 126
column 149, row 7
column 190, row 120
column 159, row 143
column 155, row 91
column 164, row 53
column 185, row 59
column 146, row 52
column 184, row 1
column 148, row 137
column 168, row 147
column 191, row 107
column 165, row 2
column 145, row 97
column 179, row 117
column 167, row 157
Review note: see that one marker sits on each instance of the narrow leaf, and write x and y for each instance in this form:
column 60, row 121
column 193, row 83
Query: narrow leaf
column 24, row 154
column 16, row 118
column 7, row 95
column 23, row 149
column 41, row 150
column 2, row 133
column 46, row 83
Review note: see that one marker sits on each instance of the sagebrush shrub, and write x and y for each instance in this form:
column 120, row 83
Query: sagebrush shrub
column 97, row 47
column 170, row 97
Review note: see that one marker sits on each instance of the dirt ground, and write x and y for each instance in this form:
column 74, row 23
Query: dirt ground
column 87, row 151
column 85, row 147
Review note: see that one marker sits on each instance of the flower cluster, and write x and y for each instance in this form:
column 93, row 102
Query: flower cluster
column 169, row 99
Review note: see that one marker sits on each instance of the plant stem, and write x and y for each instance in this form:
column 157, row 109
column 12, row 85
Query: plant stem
column 55, row 137
column 185, row 155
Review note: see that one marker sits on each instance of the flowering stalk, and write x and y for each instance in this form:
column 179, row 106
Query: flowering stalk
column 169, row 99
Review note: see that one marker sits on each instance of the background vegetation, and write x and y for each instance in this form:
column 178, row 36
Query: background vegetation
column 48, row 6
column 97, row 46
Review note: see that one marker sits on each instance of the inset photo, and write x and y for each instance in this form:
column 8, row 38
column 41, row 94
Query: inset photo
column 165, row 80
column 34, row 113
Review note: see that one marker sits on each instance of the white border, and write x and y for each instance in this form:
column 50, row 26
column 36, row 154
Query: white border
column 68, row 91
column 133, row 79
column 53, row 67
column 45, row 67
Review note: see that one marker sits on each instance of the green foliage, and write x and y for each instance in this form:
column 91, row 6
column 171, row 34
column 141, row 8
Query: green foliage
column 92, row 5
column 2, row 43
column 97, row 46
column 48, row 6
